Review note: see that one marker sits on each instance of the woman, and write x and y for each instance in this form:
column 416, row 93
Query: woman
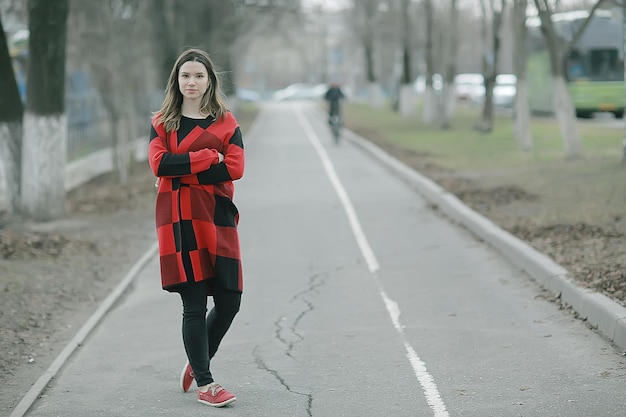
column 196, row 151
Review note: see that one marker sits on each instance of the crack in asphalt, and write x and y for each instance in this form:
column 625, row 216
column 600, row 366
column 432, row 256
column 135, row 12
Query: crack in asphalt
column 289, row 336
column 261, row 364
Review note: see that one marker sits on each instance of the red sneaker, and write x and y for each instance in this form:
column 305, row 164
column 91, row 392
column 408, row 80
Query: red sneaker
column 216, row 396
column 186, row 377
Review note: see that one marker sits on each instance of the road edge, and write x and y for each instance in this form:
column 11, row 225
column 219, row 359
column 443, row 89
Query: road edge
column 40, row 385
column 602, row 313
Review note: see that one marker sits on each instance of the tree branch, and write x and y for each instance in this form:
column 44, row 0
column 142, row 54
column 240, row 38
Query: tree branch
column 581, row 29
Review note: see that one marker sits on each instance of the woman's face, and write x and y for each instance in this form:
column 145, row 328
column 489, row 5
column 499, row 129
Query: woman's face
column 193, row 80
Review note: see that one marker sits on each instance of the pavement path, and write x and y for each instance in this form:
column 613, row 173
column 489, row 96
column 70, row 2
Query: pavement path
column 360, row 300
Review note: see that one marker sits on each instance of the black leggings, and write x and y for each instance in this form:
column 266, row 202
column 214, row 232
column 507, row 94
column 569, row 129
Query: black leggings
column 203, row 333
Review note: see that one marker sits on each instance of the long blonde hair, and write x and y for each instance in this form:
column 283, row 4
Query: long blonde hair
column 212, row 101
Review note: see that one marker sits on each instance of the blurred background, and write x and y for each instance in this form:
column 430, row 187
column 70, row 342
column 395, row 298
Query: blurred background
column 281, row 49
column 395, row 53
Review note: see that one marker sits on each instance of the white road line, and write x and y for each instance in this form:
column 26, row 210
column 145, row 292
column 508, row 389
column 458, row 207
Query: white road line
column 361, row 240
column 426, row 380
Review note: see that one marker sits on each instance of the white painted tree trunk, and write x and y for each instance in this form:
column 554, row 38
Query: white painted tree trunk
column 375, row 95
column 407, row 102
column 9, row 188
column 429, row 106
column 43, row 166
column 121, row 154
column 522, row 116
column 566, row 116
column 447, row 106
column 6, row 176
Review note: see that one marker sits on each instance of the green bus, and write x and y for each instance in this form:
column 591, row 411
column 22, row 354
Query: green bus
column 594, row 67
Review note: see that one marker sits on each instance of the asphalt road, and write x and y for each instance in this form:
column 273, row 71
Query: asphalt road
column 359, row 300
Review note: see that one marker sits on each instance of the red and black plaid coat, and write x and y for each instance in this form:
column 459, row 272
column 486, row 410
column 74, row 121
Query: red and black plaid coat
column 196, row 218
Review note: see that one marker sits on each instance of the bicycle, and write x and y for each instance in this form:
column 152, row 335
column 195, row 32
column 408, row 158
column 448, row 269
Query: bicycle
column 335, row 126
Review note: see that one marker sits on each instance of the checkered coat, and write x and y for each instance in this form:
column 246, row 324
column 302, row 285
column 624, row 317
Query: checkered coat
column 196, row 218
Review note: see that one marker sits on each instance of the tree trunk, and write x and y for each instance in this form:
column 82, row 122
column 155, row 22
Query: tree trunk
column 11, row 113
column 365, row 12
column 448, row 99
column 522, row 120
column 486, row 123
column 406, row 98
column 430, row 102
column 43, row 170
column 447, row 105
column 121, row 150
column 165, row 48
column 45, row 124
column 406, row 105
column 522, row 116
column 562, row 101
column 10, row 136
column 375, row 93
column 376, row 97
column 490, row 64
column 566, row 116
column 624, row 62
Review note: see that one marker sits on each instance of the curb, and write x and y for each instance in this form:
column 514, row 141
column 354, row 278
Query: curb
column 35, row 391
column 84, row 169
column 602, row 313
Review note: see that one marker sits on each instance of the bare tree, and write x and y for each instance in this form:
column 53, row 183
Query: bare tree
column 215, row 26
column 440, row 50
column 522, row 123
column 490, row 58
column 623, row 4
column 211, row 25
column 448, row 94
column 11, row 113
column 262, row 27
column 365, row 20
column 45, row 126
column 164, row 47
column 406, row 99
column 430, row 102
column 624, row 63
column 562, row 101
column 106, row 27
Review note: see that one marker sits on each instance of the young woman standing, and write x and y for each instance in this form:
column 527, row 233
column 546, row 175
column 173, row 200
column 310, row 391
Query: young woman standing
column 196, row 151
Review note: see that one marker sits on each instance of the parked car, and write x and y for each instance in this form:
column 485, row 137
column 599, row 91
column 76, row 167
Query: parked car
column 468, row 86
column 504, row 91
column 420, row 83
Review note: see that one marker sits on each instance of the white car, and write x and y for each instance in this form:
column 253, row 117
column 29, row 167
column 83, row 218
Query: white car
column 468, row 86
column 503, row 92
column 420, row 83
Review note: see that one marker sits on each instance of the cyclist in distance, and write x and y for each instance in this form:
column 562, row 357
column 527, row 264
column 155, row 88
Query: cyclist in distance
column 334, row 95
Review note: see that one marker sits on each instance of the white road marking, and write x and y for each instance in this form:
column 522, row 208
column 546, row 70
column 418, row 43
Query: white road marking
column 427, row 382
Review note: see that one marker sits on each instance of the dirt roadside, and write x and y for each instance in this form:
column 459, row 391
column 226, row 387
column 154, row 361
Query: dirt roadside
column 54, row 275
